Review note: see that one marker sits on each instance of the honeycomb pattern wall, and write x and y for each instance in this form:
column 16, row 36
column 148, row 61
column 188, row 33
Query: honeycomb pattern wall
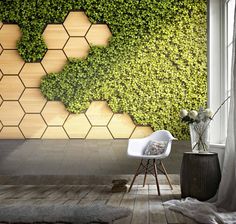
column 26, row 114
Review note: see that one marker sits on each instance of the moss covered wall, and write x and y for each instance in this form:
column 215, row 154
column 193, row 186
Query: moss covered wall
column 154, row 65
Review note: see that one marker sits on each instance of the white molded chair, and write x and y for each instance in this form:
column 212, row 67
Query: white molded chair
column 148, row 164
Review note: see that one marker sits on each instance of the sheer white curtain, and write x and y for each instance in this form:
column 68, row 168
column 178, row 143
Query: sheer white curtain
column 227, row 189
column 223, row 207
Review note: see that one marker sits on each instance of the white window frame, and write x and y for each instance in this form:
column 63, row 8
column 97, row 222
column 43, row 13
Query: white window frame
column 217, row 69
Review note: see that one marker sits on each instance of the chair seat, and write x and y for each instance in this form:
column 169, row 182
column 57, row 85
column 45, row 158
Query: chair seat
column 161, row 156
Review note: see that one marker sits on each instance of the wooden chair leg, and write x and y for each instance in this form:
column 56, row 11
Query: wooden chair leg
column 166, row 174
column 155, row 174
column 135, row 175
column 146, row 171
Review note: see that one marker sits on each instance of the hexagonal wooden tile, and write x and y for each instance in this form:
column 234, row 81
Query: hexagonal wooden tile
column 1, row 49
column 99, row 133
column 10, row 62
column 1, row 126
column 11, row 87
column 55, row 113
column 55, row 36
column 121, row 126
column 32, row 100
column 77, row 47
column 9, row 35
column 98, row 34
column 142, row 132
column 1, row 100
column 31, row 74
column 54, row 61
column 1, row 75
column 77, row 126
column 32, row 126
column 99, row 113
column 11, row 113
column 77, row 23
column 11, row 133
column 55, row 133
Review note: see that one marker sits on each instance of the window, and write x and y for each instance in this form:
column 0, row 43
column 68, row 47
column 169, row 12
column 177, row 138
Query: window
column 220, row 37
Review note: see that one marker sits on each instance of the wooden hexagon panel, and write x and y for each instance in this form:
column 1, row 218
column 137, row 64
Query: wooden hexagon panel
column 26, row 114
column 7, row 39
column 33, row 126
column 11, row 113
column 55, row 36
column 32, row 100
column 77, row 24
column 77, row 47
column 54, row 61
column 54, row 113
column 55, row 133
column 98, row 34
column 121, row 126
column 31, row 74
column 77, row 126
column 11, row 87
column 10, row 62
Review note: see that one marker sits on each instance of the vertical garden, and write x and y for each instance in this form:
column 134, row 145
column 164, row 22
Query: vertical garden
column 155, row 63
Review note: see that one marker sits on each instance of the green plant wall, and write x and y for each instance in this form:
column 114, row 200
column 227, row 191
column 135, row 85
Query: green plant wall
column 154, row 66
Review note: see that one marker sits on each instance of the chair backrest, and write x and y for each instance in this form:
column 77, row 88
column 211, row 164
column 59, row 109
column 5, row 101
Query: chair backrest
column 136, row 147
column 163, row 135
